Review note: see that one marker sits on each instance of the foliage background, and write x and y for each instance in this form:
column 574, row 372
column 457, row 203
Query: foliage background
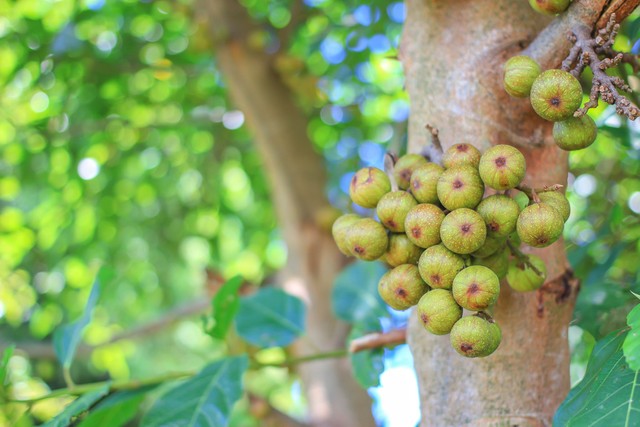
column 120, row 148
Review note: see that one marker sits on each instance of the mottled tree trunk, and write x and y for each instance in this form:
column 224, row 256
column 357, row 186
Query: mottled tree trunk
column 453, row 53
column 296, row 175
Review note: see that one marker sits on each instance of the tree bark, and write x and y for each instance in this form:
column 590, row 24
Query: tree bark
column 453, row 52
column 297, row 179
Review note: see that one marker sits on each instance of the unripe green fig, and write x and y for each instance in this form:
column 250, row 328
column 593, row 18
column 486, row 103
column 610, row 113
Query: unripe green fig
column 438, row 266
column 473, row 336
column 460, row 187
column 497, row 336
column 549, row 7
column 438, row 311
column 539, row 225
column 500, row 213
column 557, row 200
column 522, row 200
column 523, row 278
column 405, row 166
column 424, row 181
column 368, row 186
column 463, row 231
column 498, row 262
column 461, row 155
column 575, row 133
column 519, row 73
column 402, row 287
column 367, row 239
column 556, row 95
column 401, row 251
column 492, row 244
column 502, row 167
column 422, row 225
column 476, row 288
column 340, row 229
column 392, row 209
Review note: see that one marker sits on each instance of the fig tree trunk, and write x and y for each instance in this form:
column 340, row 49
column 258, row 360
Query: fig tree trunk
column 452, row 52
column 296, row 175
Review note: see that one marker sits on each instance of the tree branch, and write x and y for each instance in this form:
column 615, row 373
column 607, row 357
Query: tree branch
column 378, row 340
column 551, row 46
column 621, row 8
column 587, row 51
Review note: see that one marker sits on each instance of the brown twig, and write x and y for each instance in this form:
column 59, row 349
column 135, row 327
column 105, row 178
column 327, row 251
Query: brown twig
column 378, row 340
column 523, row 258
column 597, row 53
column 390, row 160
column 529, row 191
column 433, row 151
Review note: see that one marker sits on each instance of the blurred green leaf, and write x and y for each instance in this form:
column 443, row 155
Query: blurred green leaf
column 631, row 346
column 204, row 400
column 609, row 393
column 271, row 317
column 81, row 404
column 117, row 409
column 4, row 364
column 225, row 305
column 355, row 296
column 67, row 337
column 366, row 365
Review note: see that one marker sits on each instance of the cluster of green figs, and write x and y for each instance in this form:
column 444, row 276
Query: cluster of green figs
column 447, row 245
column 555, row 96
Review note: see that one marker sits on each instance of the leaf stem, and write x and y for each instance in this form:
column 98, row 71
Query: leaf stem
column 114, row 386
column 523, row 258
column 303, row 359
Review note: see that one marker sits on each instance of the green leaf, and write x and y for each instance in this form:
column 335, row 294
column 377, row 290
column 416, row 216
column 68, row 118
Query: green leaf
column 8, row 352
column 225, row 305
column 81, row 404
column 631, row 346
column 67, row 337
column 609, row 393
column 204, row 400
column 366, row 365
column 270, row 318
column 355, row 296
column 117, row 409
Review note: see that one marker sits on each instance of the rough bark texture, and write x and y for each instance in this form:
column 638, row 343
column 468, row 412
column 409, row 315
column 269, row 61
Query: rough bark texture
column 297, row 179
column 453, row 53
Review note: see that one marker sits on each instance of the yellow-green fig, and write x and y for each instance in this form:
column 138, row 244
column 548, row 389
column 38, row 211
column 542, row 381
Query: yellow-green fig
column 367, row 239
column 463, row 231
column 519, row 74
column 405, row 166
column 401, row 251
column 340, row 229
column 424, row 181
column 460, row 187
column 473, row 336
column 502, row 167
column 476, row 288
column 422, row 225
column 500, row 213
column 402, row 287
column 523, row 278
column 438, row 266
column 461, row 155
column 539, row 225
column 549, row 7
column 556, row 95
column 368, row 186
column 438, row 311
column 392, row 209
column 575, row 133
column 557, row 200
